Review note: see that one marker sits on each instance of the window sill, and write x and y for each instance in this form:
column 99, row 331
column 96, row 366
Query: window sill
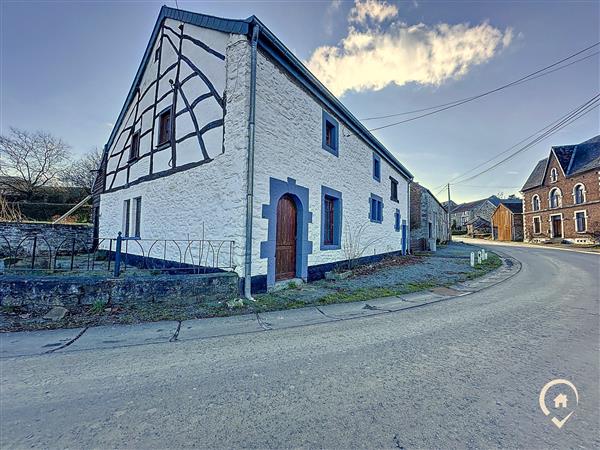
column 163, row 145
column 377, row 179
column 331, row 246
column 332, row 150
column 376, row 221
column 395, row 200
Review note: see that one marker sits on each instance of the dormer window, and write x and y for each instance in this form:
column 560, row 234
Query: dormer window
column 553, row 175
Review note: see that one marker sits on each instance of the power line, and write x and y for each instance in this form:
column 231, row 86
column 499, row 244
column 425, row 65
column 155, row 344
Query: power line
column 551, row 124
column 547, row 127
column 475, row 97
column 573, row 116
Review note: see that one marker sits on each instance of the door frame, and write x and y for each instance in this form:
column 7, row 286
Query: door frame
column 562, row 226
column 297, row 267
column 304, row 247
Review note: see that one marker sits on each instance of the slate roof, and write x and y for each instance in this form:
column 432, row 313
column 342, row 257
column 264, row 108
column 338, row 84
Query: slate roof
column 271, row 45
column 471, row 205
column 574, row 159
column 536, row 178
column 479, row 221
column 514, row 207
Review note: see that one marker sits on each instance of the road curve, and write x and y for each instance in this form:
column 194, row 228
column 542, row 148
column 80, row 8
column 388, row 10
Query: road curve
column 465, row 372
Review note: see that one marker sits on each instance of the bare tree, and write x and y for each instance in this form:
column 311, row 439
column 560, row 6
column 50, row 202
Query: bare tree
column 8, row 212
column 354, row 243
column 82, row 172
column 30, row 161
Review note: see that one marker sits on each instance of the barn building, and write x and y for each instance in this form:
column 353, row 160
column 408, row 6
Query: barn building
column 507, row 222
column 226, row 135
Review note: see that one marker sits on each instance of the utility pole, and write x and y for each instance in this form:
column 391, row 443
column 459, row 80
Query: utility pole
column 448, row 209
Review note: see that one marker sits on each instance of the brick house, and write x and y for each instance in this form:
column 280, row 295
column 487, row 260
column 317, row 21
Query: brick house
column 562, row 195
column 428, row 220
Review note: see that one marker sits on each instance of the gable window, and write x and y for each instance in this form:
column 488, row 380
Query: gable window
column 376, row 167
column 535, row 203
column 553, row 175
column 579, row 194
column 580, row 221
column 330, row 139
column 164, row 127
column 134, row 150
column 136, row 216
column 555, row 198
column 397, row 220
column 331, row 219
column 376, row 208
column 126, row 218
column 393, row 190
column 537, row 226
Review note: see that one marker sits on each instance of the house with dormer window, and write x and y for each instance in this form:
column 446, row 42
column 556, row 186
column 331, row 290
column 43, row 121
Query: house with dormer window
column 562, row 195
column 226, row 135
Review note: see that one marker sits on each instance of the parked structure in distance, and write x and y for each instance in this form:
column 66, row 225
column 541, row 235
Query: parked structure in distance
column 562, row 195
column 507, row 222
column 226, row 135
column 428, row 220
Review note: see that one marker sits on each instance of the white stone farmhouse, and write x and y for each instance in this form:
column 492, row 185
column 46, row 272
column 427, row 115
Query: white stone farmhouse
column 225, row 134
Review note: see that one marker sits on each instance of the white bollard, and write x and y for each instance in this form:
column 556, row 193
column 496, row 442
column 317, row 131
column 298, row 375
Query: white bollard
column 472, row 259
column 479, row 257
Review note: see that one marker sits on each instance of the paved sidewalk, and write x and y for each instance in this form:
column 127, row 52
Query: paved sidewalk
column 28, row 343
column 485, row 242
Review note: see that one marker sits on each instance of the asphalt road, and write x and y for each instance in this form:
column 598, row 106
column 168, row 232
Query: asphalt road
column 461, row 373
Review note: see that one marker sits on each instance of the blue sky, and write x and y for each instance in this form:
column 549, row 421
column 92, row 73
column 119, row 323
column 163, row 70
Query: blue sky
column 67, row 67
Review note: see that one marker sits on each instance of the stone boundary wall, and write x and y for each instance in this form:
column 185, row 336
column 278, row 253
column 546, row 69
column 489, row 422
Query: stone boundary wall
column 40, row 293
column 13, row 233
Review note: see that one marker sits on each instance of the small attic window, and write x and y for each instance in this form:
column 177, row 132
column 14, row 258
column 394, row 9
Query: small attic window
column 157, row 54
column 553, row 175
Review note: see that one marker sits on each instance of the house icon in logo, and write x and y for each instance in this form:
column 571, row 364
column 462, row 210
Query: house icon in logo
column 560, row 401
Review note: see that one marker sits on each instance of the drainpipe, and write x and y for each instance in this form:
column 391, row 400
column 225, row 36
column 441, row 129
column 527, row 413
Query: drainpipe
column 250, row 168
column 408, row 218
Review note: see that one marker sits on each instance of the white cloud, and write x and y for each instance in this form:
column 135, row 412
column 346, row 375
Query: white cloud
column 371, row 57
column 373, row 10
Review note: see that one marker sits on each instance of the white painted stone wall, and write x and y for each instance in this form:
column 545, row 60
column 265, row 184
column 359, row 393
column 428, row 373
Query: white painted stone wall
column 288, row 144
column 207, row 201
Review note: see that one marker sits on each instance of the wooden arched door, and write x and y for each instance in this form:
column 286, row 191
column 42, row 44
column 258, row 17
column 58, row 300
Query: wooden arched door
column 285, row 249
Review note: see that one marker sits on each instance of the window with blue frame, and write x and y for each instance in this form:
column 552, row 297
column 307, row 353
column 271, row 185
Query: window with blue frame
column 376, row 208
column 376, row 167
column 397, row 220
column 331, row 219
column 330, row 140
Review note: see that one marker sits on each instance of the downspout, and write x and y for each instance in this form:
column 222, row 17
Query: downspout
column 407, row 245
column 250, row 167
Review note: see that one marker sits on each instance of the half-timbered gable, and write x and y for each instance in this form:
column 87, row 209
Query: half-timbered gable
column 174, row 119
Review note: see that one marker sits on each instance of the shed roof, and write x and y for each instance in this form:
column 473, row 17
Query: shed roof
column 271, row 45
column 514, row 207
